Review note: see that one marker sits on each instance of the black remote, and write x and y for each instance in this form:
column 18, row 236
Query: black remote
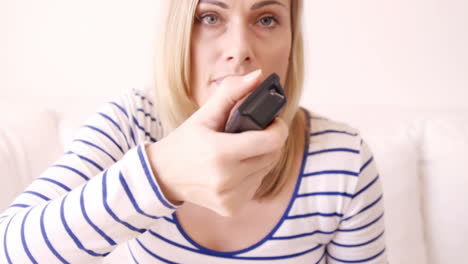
column 260, row 108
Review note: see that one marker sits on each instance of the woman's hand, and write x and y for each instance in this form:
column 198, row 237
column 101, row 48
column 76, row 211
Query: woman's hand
column 220, row 171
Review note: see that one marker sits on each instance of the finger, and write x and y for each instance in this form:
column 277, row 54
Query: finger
column 215, row 111
column 259, row 161
column 256, row 142
column 248, row 168
column 246, row 188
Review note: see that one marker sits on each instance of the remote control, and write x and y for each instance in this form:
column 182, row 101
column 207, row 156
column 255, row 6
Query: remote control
column 260, row 108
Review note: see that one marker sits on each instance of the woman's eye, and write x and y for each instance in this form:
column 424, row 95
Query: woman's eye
column 212, row 19
column 268, row 21
column 209, row 19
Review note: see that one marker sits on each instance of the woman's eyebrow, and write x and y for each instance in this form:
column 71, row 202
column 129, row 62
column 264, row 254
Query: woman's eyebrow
column 265, row 3
column 214, row 2
column 254, row 6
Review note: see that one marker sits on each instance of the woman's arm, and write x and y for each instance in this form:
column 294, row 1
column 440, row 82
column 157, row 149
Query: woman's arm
column 100, row 193
column 360, row 236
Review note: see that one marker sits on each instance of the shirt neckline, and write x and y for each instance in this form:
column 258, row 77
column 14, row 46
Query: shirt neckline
column 212, row 252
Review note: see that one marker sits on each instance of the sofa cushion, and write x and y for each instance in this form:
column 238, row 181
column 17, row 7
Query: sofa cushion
column 29, row 143
column 397, row 155
column 393, row 136
column 445, row 182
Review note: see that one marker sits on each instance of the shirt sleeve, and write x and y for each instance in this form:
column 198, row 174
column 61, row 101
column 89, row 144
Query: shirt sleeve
column 360, row 236
column 99, row 193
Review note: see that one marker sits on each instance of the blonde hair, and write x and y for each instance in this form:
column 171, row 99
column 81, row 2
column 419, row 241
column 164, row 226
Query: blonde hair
column 172, row 79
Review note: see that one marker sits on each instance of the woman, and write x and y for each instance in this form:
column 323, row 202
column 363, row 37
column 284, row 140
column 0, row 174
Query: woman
column 156, row 171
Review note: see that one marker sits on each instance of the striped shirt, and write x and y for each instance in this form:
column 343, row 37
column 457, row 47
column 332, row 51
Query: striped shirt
column 101, row 193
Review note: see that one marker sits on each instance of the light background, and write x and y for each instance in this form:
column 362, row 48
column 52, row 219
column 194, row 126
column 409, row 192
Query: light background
column 71, row 54
column 362, row 57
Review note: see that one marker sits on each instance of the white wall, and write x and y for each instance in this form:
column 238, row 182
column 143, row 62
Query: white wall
column 77, row 47
column 400, row 52
column 63, row 53
column 404, row 52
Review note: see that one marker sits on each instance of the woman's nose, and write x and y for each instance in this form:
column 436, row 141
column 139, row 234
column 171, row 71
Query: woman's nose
column 238, row 45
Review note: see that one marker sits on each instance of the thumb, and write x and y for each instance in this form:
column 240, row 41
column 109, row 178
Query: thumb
column 216, row 110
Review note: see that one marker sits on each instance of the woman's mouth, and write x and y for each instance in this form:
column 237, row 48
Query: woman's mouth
column 218, row 82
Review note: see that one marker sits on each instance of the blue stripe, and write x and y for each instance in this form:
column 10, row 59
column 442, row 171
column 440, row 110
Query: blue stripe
column 146, row 114
column 365, row 208
column 143, row 97
column 366, row 187
column 72, row 169
column 39, row 195
column 63, row 186
column 362, row 227
column 358, row 245
column 109, row 210
column 96, row 146
column 132, row 198
column 23, row 239
column 303, row 235
column 106, row 135
column 88, row 160
column 358, row 261
column 231, row 256
column 154, row 255
column 118, row 127
column 132, row 134
column 174, row 243
column 151, row 179
column 315, row 214
column 169, row 219
column 95, row 227
column 131, row 254
column 120, row 108
column 333, row 150
column 46, row 239
column 72, row 235
column 332, row 131
column 365, row 164
column 326, row 193
column 323, row 255
column 351, row 173
column 143, row 129
column 19, row 205
column 5, row 248
column 281, row 257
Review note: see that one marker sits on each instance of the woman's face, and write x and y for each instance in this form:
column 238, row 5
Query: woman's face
column 235, row 37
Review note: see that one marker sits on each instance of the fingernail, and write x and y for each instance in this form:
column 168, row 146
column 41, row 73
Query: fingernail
column 252, row 75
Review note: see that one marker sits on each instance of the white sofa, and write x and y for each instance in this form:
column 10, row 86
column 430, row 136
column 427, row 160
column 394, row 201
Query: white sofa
column 422, row 155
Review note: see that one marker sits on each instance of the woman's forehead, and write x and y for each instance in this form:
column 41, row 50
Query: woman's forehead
column 255, row 4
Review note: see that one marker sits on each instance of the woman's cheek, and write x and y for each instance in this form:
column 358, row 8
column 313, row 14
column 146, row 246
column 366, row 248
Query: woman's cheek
column 281, row 58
